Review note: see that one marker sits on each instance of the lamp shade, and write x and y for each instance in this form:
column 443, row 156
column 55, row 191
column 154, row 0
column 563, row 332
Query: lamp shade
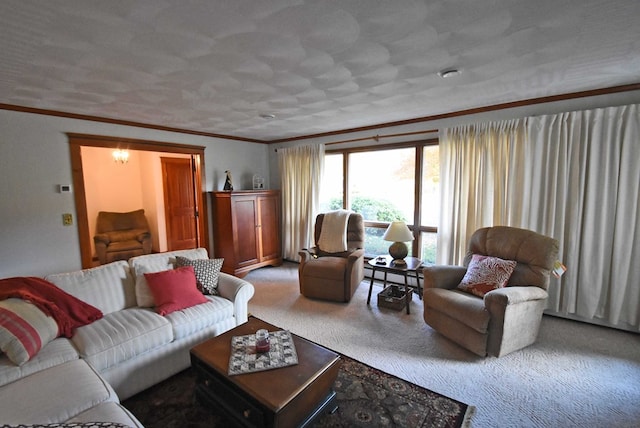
column 398, row 232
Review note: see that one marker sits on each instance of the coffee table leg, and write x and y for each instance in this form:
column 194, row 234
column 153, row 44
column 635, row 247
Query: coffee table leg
column 327, row 405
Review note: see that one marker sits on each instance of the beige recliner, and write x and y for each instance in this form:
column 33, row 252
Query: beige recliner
column 120, row 236
column 506, row 319
column 333, row 276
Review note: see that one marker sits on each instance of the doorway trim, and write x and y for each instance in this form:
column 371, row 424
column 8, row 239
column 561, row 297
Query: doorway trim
column 77, row 141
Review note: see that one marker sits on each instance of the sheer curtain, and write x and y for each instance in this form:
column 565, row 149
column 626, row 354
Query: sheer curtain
column 573, row 176
column 301, row 170
column 479, row 182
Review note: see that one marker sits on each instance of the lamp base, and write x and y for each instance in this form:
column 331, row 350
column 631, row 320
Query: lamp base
column 398, row 250
column 399, row 262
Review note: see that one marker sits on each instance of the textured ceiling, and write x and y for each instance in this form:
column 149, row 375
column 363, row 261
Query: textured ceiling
column 319, row 66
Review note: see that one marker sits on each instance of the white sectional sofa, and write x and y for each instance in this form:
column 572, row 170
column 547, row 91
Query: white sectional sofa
column 83, row 379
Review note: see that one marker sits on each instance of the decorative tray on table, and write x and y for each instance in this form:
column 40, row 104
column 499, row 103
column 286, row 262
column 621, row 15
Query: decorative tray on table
column 245, row 359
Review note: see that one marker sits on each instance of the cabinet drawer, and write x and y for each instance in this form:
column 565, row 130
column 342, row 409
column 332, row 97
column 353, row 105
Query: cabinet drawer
column 233, row 403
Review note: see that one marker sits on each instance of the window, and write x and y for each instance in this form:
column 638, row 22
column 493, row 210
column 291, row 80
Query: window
column 332, row 183
column 382, row 183
column 430, row 202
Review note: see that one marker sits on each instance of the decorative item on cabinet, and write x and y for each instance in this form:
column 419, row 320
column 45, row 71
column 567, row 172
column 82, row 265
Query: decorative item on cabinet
column 228, row 181
column 246, row 229
column 258, row 182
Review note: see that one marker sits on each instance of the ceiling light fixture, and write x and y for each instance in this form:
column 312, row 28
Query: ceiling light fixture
column 448, row 72
column 121, row 156
column 267, row 116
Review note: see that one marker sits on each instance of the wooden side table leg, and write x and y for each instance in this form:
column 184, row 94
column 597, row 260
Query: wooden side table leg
column 373, row 275
column 406, row 291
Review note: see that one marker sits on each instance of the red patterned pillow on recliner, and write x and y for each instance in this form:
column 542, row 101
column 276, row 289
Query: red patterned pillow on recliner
column 486, row 273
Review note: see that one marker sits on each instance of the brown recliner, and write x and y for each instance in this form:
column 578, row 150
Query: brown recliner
column 506, row 319
column 333, row 276
column 120, row 236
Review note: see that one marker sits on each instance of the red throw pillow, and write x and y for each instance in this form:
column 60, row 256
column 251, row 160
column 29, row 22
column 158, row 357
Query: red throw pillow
column 486, row 273
column 174, row 289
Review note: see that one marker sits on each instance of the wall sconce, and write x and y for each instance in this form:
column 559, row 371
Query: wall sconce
column 398, row 233
column 121, row 156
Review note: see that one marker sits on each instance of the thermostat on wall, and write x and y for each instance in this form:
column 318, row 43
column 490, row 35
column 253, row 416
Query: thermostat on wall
column 64, row 188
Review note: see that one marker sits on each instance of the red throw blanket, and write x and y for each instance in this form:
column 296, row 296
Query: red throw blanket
column 68, row 311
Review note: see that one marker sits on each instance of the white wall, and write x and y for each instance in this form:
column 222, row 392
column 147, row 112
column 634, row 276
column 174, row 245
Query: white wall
column 34, row 160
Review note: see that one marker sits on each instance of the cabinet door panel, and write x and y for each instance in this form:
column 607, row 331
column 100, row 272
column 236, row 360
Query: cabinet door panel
column 269, row 228
column 245, row 211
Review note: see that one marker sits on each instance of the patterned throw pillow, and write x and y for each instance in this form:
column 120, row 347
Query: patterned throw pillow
column 24, row 329
column 486, row 273
column 207, row 272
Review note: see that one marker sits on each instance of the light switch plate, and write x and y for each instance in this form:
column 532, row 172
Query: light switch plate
column 67, row 219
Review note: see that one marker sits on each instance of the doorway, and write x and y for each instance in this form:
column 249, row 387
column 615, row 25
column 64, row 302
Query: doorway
column 195, row 157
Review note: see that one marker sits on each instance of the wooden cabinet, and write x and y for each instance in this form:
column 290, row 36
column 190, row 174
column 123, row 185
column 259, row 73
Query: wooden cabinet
column 246, row 229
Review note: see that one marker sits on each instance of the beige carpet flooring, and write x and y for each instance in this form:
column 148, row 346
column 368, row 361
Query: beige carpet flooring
column 575, row 375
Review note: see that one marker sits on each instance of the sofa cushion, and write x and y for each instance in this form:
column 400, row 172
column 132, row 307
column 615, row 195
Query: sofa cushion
column 24, row 329
column 56, row 352
column 174, row 289
column 326, row 267
column 207, row 272
column 463, row 307
column 108, row 412
column 199, row 317
column 54, row 395
column 151, row 263
column 122, row 335
column 108, row 287
column 486, row 273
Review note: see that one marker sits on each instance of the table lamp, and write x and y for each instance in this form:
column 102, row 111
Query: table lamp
column 398, row 233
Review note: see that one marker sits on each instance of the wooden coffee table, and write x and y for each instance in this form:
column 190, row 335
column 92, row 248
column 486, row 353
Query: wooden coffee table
column 283, row 397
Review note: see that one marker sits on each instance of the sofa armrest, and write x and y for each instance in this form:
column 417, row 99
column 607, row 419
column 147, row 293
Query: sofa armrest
column 101, row 238
column 307, row 252
column 143, row 235
column 443, row 276
column 513, row 295
column 355, row 255
column 239, row 292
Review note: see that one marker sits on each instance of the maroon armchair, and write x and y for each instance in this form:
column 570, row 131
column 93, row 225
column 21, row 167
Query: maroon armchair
column 120, row 236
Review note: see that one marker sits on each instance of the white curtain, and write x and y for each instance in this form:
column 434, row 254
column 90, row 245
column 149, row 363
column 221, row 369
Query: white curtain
column 583, row 179
column 573, row 176
column 301, row 170
column 478, row 182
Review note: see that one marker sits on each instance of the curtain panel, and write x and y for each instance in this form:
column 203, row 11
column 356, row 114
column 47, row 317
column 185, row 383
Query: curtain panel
column 583, row 178
column 480, row 182
column 573, row 176
column 301, row 170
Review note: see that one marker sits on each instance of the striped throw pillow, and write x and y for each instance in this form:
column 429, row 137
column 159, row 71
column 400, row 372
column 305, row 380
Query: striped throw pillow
column 24, row 329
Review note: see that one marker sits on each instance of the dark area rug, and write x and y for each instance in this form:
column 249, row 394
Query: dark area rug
column 366, row 397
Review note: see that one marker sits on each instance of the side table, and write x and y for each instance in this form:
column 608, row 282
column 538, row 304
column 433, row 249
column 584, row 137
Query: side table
column 413, row 264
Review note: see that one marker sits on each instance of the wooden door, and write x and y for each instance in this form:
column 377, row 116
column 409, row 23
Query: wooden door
column 180, row 203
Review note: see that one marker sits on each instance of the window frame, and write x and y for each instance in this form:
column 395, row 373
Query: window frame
column 416, row 228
